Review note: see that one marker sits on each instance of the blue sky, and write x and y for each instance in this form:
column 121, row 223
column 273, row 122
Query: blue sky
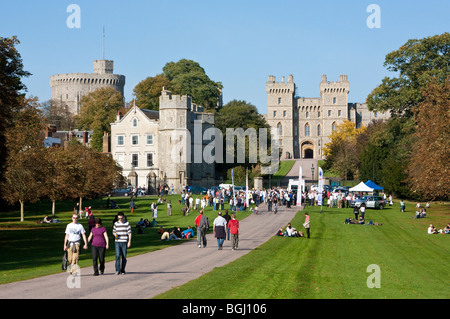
column 238, row 43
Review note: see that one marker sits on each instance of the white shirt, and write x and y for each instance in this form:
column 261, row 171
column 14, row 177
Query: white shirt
column 74, row 231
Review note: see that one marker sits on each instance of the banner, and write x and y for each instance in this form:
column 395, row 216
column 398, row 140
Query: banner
column 320, row 190
column 299, row 189
column 232, row 181
column 246, row 188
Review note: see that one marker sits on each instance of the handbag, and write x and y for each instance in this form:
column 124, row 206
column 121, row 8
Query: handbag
column 64, row 261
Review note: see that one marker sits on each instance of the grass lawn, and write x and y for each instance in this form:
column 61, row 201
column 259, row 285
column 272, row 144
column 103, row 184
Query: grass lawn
column 283, row 170
column 29, row 249
column 333, row 264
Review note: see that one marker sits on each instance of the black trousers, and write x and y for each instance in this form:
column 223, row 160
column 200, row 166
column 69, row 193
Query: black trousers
column 307, row 232
column 98, row 257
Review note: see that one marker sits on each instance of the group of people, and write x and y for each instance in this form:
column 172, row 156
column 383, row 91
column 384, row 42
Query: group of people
column 293, row 232
column 176, row 233
column 98, row 238
column 434, row 230
column 224, row 227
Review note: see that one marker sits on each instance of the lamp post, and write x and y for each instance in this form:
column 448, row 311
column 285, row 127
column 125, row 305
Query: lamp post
column 312, row 173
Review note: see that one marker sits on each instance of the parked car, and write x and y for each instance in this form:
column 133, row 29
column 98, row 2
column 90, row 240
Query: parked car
column 121, row 192
column 199, row 190
column 369, row 201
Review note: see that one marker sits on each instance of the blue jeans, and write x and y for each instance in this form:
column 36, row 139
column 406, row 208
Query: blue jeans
column 121, row 251
column 220, row 242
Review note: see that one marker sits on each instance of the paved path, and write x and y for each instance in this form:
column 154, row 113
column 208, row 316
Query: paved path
column 306, row 170
column 153, row 273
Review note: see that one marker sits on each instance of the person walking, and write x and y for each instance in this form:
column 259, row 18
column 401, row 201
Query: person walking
column 307, row 224
column 220, row 230
column 132, row 206
column 72, row 242
column 202, row 224
column 233, row 226
column 100, row 243
column 122, row 233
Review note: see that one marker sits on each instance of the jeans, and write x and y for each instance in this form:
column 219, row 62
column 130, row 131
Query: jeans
column 201, row 236
column 220, row 242
column 121, row 251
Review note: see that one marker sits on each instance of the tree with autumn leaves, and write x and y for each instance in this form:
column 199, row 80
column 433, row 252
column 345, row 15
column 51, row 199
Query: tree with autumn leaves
column 409, row 153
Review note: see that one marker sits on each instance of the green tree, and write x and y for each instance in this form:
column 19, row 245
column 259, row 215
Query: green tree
column 148, row 91
column 98, row 111
column 240, row 114
column 415, row 63
column 11, row 91
column 187, row 77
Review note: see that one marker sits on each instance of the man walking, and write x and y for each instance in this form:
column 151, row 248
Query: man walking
column 122, row 233
column 202, row 224
column 72, row 240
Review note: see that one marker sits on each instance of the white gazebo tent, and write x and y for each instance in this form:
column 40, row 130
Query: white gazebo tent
column 361, row 187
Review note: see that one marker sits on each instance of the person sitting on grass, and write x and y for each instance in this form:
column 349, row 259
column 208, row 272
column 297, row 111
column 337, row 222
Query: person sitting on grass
column 280, row 232
column 432, row 230
column 188, row 233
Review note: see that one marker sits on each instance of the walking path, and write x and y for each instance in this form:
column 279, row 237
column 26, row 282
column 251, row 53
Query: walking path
column 306, row 165
column 153, row 273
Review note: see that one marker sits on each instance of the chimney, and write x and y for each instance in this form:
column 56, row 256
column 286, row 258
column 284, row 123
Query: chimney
column 119, row 116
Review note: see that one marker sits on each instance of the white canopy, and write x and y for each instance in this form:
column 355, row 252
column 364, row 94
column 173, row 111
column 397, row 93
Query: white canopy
column 361, row 187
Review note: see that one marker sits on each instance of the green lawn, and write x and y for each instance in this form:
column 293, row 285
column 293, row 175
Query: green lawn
column 333, row 263
column 29, row 249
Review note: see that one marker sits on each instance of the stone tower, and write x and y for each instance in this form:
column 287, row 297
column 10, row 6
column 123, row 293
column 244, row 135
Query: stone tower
column 280, row 115
column 69, row 88
column 334, row 103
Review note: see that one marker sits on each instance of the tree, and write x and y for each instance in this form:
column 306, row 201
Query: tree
column 341, row 154
column 148, row 91
column 99, row 110
column 23, row 176
column 240, row 114
column 11, row 91
column 89, row 173
column 416, row 62
column 429, row 166
column 57, row 113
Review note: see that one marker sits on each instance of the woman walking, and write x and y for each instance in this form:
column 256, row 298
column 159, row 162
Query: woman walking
column 220, row 230
column 100, row 243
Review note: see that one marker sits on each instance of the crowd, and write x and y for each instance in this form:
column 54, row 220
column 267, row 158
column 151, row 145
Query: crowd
column 225, row 226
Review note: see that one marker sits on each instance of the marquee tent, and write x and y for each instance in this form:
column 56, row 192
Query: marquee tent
column 373, row 185
column 361, row 187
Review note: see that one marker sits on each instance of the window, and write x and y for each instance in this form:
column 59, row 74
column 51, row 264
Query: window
column 149, row 160
column 280, row 129
column 134, row 160
column 329, row 113
column 274, row 113
column 119, row 140
column 319, row 130
column 333, row 127
column 150, row 139
column 318, row 114
column 134, row 139
column 120, row 159
column 307, row 130
column 135, row 122
column 339, row 113
column 284, row 113
column 307, row 114
column 279, row 100
column 334, row 100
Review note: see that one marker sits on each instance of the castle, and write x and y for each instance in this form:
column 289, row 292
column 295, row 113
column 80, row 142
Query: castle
column 69, row 88
column 157, row 148
column 302, row 126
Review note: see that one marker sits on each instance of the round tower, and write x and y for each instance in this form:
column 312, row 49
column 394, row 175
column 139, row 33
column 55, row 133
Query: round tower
column 70, row 87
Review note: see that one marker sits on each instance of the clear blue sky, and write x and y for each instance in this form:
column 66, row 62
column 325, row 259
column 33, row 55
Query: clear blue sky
column 238, row 43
